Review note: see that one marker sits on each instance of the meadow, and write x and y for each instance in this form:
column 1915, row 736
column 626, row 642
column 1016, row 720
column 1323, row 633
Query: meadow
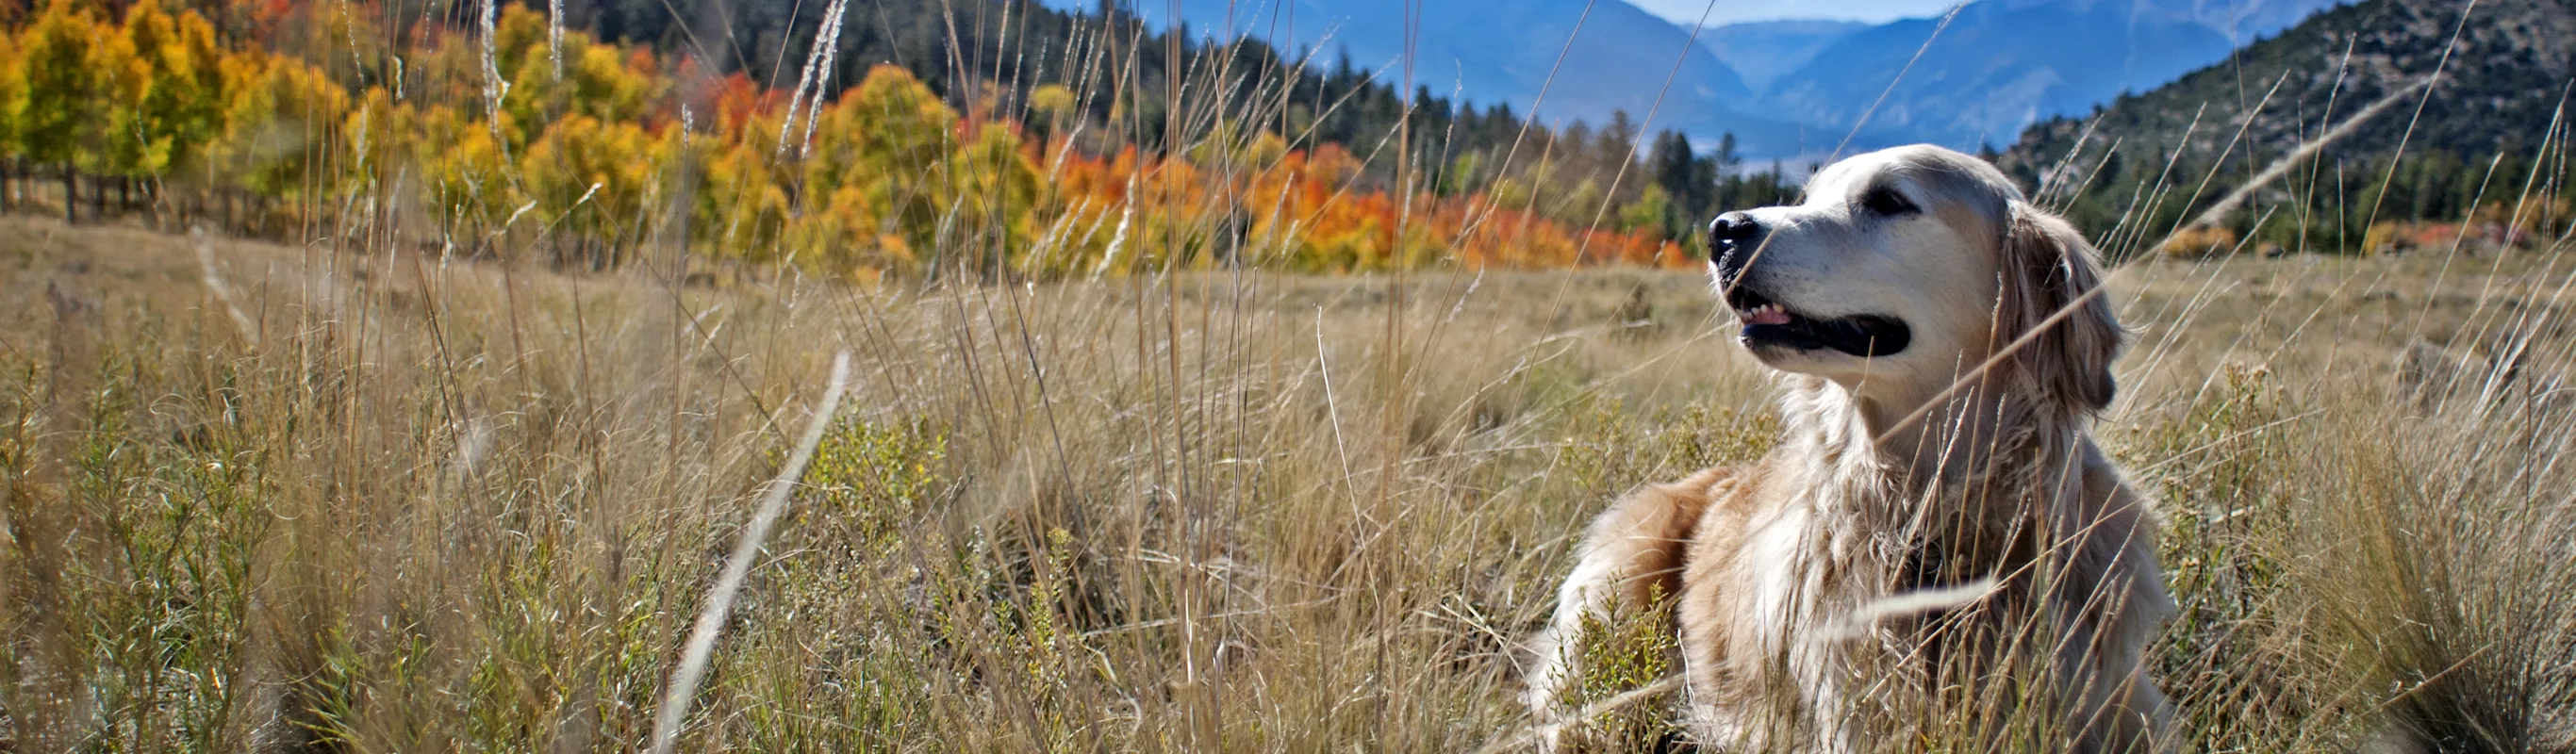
column 432, row 362
column 281, row 498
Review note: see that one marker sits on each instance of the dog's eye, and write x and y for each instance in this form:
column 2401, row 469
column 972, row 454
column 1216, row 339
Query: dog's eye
column 1886, row 202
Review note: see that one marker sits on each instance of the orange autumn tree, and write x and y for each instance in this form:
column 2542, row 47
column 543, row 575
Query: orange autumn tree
column 742, row 207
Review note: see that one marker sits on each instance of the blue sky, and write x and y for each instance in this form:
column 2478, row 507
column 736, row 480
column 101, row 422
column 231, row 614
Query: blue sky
column 1733, row 11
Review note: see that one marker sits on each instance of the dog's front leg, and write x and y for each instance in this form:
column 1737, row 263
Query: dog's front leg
column 2117, row 709
column 2113, row 591
column 1632, row 555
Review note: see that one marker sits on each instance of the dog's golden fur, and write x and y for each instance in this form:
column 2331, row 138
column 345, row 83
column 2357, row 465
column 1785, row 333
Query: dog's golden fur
column 1994, row 494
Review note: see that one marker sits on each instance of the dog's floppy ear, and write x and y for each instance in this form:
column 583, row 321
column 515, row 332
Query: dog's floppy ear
column 2047, row 266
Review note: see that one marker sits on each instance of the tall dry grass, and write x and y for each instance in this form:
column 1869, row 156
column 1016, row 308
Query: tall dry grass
column 424, row 506
column 405, row 505
column 357, row 496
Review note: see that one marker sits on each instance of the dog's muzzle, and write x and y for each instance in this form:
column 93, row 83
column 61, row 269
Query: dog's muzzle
column 1733, row 239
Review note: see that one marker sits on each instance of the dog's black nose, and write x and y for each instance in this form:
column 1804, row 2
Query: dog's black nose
column 1731, row 239
column 1733, row 227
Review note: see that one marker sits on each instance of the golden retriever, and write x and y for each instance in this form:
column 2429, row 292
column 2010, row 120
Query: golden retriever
column 1936, row 507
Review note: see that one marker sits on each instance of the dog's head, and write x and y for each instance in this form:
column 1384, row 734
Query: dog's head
column 1905, row 267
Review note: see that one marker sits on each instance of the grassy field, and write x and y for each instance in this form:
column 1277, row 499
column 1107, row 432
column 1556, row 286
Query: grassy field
column 320, row 499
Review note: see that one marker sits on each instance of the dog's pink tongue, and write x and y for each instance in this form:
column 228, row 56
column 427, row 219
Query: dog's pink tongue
column 1768, row 317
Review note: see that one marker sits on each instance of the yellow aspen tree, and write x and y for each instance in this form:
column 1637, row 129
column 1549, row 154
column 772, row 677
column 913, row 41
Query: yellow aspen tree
column 903, row 135
column 469, row 185
column 13, row 108
column 64, row 104
column 186, row 105
column 592, row 181
column 283, row 129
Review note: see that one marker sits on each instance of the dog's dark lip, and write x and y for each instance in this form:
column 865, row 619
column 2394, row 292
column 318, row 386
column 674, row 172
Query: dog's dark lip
column 1863, row 335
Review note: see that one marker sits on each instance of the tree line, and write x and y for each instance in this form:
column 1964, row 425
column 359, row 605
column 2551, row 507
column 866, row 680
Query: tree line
column 496, row 132
column 2331, row 202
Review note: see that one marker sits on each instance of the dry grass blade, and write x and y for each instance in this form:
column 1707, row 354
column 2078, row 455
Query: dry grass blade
column 2228, row 205
column 215, row 284
column 773, row 503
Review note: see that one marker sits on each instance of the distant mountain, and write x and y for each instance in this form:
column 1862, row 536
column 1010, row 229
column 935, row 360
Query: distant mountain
column 1783, row 88
column 1763, row 51
column 1505, row 50
column 2240, row 20
column 2000, row 65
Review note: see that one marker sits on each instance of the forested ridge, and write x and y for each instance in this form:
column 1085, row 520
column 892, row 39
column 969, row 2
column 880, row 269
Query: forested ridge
column 992, row 138
column 2470, row 126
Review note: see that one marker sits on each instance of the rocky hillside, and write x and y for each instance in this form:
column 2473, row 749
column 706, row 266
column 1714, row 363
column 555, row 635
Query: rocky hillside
column 2498, row 87
column 2498, row 74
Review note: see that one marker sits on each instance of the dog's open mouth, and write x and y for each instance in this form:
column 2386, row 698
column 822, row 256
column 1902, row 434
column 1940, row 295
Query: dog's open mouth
column 1767, row 323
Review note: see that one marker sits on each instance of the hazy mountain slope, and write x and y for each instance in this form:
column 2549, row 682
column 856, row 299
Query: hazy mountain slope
column 1505, row 50
column 2243, row 20
column 2001, row 65
column 1764, row 51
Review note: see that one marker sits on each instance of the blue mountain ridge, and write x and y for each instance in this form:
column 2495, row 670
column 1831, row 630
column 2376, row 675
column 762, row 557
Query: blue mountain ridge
column 1490, row 51
column 2000, row 65
column 1785, row 89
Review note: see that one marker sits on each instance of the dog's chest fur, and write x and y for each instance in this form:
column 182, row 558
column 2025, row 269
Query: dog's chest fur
column 1790, row 550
